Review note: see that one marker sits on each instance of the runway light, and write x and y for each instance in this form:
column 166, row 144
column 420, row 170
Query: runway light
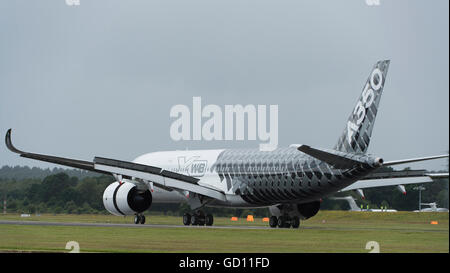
column 265, row 219
column 250, row 218
column 434, row 222
column 234, row 218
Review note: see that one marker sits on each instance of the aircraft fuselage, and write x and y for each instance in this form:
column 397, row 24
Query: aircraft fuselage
column 254, row 178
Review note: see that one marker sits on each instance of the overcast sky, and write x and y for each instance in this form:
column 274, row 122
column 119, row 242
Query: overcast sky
column 99, row 79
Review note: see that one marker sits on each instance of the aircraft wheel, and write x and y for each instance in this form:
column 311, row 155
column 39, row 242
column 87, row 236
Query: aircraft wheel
column 142, row 219
column 201, row 220
column 194, row 220
column 209, row 220
column 288, row 222
column 281, row 221
column 273, row 221
column 137, row 219
column 186, row 219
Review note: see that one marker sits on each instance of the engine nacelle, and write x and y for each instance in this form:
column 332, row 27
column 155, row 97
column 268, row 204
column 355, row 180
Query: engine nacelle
column 308, row 210
column 125, row 199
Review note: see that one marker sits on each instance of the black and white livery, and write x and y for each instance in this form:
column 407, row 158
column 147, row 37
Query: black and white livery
column 290, row 181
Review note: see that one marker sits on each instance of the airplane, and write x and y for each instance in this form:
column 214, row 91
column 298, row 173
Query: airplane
column 354, row 207
column 290, row 181
column 432, row 208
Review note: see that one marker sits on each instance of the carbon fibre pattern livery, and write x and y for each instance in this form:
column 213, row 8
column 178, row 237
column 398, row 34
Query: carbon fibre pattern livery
column 357, row 133
column 284, row 175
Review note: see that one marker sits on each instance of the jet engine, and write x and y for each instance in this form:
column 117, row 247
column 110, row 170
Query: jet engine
column 125, row 199
column 308, row 210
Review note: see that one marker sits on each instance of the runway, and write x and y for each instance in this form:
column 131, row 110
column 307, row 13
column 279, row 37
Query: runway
column 41, row 223
column 112, row 225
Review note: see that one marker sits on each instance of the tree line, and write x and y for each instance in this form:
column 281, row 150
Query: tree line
column 35, row 190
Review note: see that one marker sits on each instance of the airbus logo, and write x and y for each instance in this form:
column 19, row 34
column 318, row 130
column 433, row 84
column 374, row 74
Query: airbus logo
column 193, row 166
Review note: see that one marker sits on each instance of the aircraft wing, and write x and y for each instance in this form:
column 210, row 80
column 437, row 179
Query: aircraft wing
column 156, row 175
column 395, row 178
column 163, row 178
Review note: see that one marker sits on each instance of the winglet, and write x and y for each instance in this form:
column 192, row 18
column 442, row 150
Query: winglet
column 10, row 145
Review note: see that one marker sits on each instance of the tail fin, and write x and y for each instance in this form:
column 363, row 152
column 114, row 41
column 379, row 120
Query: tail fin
column 357, row 132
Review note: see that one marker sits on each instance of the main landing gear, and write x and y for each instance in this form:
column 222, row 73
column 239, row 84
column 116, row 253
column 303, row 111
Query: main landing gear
column 198, row 218
column 284, row 221
column 139, row 219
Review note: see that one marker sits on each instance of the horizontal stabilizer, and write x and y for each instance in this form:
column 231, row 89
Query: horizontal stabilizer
column 339, row 160
column 437, row 175
column 403, row 161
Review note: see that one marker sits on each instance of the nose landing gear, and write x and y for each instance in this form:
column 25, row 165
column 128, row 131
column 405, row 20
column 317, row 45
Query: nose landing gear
column 139, row 219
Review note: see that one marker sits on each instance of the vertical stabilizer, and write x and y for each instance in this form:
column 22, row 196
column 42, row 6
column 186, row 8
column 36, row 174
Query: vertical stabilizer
column 358, row 130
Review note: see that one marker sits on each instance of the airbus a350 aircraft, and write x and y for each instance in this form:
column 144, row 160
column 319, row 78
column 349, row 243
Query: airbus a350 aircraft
column 289, row 181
